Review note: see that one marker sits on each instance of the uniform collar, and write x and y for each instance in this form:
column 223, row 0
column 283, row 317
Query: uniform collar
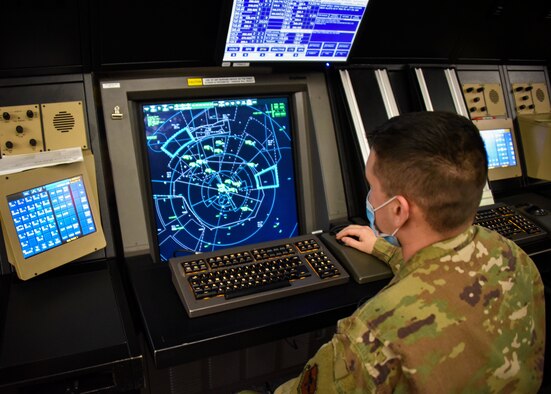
column 434, row 253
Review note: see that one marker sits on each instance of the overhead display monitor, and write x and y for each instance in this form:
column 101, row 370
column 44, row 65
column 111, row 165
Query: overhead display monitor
column 221, row 172
column 501, row 148
column 292, row 30
column 49, row 218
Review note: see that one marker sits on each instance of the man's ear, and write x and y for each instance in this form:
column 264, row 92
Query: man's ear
column 401, row 211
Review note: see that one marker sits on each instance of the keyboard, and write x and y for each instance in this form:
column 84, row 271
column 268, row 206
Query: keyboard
column 510, row 223
column 232, row 278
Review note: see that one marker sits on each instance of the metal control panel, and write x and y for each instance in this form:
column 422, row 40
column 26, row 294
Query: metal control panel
column 484, row 99
column 20, row 130
column 531, row 98
column 40, row 127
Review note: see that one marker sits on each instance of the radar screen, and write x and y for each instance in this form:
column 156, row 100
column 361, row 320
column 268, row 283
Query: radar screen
column 221, row 173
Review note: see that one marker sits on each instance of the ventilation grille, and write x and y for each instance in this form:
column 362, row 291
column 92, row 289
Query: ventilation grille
column 64, row 121
column 540, row 95
column 494, row 96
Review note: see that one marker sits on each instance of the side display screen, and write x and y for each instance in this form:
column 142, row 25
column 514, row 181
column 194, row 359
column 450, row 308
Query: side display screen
column 51, row 215
column 499, row 147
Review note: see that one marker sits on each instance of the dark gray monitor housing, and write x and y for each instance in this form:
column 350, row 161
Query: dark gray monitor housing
column 320, row 191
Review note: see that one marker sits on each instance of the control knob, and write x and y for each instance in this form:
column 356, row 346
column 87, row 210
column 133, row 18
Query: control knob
column 19, row 129
column 30, row 113
column 6, row 116
column 32, row 141
column 9, row 144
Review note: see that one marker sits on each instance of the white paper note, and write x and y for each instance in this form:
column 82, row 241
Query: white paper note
column 19, row 163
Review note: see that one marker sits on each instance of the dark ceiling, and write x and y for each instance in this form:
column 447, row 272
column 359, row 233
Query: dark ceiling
column 63, row 36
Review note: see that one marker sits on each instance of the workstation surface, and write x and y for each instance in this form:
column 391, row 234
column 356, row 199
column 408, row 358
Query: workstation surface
column 66, row 328
column 174, row 338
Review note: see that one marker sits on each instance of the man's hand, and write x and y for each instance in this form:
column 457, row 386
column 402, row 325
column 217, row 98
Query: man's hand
column 358, row 237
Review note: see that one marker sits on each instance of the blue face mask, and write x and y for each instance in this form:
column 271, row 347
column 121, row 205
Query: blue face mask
column 370, row 212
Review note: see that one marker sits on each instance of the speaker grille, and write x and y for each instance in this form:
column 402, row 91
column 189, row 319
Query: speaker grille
column 64, row 121
column 540, row 95
column 494, row 96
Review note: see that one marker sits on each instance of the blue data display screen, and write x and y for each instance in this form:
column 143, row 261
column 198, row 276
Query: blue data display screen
column 499, row 148
column 51, row 215
column 221, row 173
column 293, row 30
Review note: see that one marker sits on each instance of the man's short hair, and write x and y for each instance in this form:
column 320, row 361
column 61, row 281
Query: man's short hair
column 436, row 160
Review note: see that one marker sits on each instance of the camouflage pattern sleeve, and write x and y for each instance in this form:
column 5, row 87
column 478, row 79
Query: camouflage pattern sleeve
column 354, row 361
column 388, row 253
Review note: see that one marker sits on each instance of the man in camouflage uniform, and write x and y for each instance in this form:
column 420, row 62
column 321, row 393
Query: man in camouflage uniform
column 465, row 309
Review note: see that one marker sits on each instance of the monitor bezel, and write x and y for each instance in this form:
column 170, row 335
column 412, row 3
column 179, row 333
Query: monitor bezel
column 208, row 97
column 321, row 192
column 499, row 173
column 47, row 260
